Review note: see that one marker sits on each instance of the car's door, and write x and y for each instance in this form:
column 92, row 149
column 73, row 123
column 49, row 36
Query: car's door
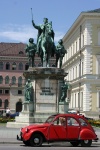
column 73, row 128
column 57, row 130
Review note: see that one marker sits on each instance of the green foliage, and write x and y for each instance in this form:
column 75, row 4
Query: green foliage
column 5, row 119
column 95, row 123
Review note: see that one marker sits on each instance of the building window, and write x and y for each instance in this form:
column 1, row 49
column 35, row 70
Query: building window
column 1, row 65
column 1, row 91
column 75, row 100
column 18, row 106
column 19, row 92
column 53, row 65
column 26, row 66
column 6, row 103
column 76, row 71
column 1, row 79
column 7, row 80
column 98, row 100
column 76, row 46
column 21, row 52
column 13, row 80
column 73, row 48
column 7, row 66
column 14, row 66
column 83, row 40
column 82, row 68
column 78, row 100
column 20, row 67
column 19, row 81
column 73, row 73
column 6, row 91
column 0, row 103
column 81, row 100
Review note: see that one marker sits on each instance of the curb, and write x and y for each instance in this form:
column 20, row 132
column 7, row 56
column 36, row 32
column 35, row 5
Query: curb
column 21, row 142
column 11, row 142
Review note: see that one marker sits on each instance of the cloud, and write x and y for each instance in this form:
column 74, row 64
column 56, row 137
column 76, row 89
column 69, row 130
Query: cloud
column 21, row 33
column 18, row 33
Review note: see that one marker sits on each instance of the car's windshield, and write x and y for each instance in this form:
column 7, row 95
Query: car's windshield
column 50, row 119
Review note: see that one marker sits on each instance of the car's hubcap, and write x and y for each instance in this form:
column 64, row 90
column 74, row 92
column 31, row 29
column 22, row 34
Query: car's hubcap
column 36, row 140
column 86, row 141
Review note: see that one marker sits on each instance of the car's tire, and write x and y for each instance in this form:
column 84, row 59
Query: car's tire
column 86, row 143
column 75, row 143
column 27, row 143
column 36, row 140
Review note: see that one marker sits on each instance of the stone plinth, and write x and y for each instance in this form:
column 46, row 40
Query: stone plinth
column 63, row 107
column 46, row 84
column 25, row 118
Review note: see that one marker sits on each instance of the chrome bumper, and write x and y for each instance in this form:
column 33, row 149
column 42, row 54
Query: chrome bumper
column 19, row 138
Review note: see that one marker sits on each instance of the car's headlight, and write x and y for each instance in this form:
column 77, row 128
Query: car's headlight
column 26, row 130
column 21, row 129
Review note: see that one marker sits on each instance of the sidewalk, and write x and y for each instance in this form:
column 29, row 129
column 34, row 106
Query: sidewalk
column 9, row 135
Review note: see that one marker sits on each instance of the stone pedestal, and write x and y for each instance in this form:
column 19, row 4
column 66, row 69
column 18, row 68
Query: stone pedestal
column 46, row 95
column 26, row 116
column 64, row 106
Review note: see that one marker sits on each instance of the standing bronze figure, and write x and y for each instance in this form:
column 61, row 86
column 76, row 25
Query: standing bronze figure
column 30, row 51
column 60, row 53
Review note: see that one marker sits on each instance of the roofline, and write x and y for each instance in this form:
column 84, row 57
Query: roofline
column 78, row 22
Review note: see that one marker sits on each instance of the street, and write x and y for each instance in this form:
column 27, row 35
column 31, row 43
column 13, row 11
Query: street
column 53, row 146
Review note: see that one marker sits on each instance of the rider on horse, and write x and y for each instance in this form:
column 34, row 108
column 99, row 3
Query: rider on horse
column 45, row 38
column 40, row 29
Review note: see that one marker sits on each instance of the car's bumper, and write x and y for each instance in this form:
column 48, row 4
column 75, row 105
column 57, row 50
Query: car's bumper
column 19, row 138
column 96, row 140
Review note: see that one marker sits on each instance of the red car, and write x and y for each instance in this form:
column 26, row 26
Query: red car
column 60, row 127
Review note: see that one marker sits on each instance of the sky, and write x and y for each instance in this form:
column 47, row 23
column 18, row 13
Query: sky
column 16, row 17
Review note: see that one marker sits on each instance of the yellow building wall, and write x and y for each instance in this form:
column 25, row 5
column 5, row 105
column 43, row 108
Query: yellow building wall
column 94, row 64
column 94, row 98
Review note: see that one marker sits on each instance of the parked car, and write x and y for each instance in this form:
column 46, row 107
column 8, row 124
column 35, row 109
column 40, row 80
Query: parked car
column 71, row 128
column 14, row 115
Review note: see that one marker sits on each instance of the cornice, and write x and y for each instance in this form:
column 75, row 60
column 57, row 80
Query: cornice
column 13, row 58
column 82, row 17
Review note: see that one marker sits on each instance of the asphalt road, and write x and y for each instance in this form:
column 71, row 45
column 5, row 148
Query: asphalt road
column 47, row 147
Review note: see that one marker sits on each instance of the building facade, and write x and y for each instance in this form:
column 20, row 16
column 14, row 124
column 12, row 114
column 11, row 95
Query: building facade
column 13, row 62
column 82, row 62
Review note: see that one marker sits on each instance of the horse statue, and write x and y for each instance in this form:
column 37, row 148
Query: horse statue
column 30, row 51
column 47, row 46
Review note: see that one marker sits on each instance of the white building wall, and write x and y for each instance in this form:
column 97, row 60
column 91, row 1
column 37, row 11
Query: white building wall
column 88, row 32
column 87, row 97
column 87, row 61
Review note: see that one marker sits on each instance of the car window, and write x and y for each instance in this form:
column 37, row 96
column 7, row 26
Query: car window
column 82, row 122
column 50, row 119
column 60, row 121
column 72, row 122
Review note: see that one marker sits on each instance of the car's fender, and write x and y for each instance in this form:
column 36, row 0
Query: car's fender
column 87, row 134
column 29, row 133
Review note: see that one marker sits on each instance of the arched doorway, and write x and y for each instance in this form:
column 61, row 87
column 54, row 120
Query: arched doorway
column 6, row 103
column 18, row 106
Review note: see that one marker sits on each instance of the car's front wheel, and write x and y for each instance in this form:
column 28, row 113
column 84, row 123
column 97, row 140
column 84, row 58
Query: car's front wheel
column 26, row 143
column 36, row 140
column 86, row 143
column 75, row 143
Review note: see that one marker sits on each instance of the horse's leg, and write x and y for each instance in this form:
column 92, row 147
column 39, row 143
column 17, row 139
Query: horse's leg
column 44, row 51
column 33, row 61
column 30, row 64
column 48, row 59
column 57, row 58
